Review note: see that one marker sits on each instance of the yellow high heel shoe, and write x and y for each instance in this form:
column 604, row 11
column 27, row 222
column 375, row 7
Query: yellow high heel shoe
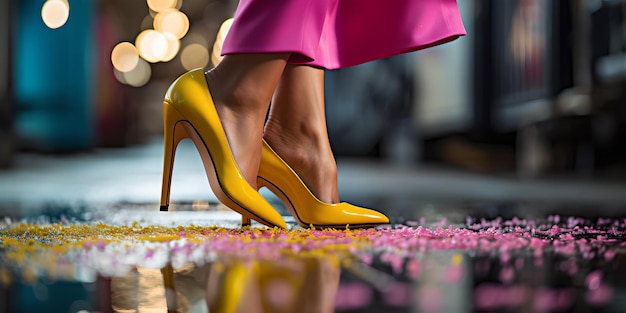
column 189, row 112
column 277, row 176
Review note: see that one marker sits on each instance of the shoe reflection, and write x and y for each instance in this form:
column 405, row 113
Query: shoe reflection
column 165, row 290
column 303, row 285
column 233, row 286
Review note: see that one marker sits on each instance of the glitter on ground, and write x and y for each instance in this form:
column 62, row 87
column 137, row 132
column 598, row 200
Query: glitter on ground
column 499, row 249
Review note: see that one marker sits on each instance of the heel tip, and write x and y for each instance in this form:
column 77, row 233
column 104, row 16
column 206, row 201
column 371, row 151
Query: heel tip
column 164, row 208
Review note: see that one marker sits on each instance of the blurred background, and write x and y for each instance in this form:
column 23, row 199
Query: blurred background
column 535, row 90
column 525, row 116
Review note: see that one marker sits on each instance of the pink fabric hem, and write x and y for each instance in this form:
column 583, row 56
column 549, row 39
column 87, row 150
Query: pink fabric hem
column 340, row 33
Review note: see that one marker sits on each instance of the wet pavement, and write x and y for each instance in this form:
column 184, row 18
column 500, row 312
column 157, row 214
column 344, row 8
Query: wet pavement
column 83, row 233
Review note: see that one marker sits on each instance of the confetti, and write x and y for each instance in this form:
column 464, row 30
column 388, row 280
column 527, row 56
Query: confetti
column 109, row 250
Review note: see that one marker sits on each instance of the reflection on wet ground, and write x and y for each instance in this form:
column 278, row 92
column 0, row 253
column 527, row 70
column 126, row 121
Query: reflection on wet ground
column 130, row 258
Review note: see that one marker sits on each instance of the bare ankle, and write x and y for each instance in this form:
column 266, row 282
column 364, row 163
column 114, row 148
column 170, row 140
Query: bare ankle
column 296, row 135
column 313, row 162
column 233, row 94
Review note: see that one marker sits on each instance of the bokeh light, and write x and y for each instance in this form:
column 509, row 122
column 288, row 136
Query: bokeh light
column 196, row 38
column 221, row 34
column 172, row 21
column 119, row 76
column 139, row 76
column 161, row 44
column 152, row 45
column 124, row 57
column 173, row 46
column 216, row 56
column 55, row 13
column 194, row 56
column 160, row 5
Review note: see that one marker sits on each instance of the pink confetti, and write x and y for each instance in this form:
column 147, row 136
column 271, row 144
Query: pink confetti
column 490, row 296
column 507, row 274
column 547, row 300
column 413, row 269
column 353, row 296
column 593, row 280
column 398, row 294
column 599, row 296
column 609, row 254
column 100, row 245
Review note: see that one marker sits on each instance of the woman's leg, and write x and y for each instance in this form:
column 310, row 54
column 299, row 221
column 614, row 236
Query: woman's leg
column 242, row 86
column 296, row 129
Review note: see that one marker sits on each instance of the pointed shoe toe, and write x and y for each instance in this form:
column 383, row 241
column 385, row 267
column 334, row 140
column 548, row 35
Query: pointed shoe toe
column 277, row 176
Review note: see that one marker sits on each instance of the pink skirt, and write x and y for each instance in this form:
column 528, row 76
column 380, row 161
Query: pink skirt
column 339, row 33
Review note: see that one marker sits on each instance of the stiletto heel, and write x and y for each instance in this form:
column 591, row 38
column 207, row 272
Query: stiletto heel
column 277, row 176
column 189, row 112
column 173, row 133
